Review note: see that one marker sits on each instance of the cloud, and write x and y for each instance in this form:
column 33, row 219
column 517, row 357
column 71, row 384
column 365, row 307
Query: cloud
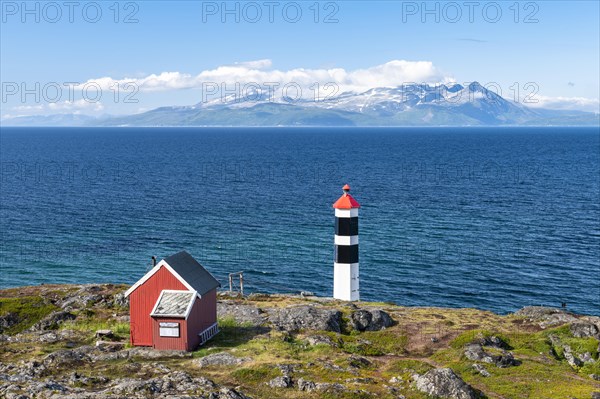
column 390, row 74
column 566, row 103
column 259, row 64
column 65, row 107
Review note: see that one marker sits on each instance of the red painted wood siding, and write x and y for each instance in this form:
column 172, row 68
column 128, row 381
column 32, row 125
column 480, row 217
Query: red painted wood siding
column 143, row 299
column 170, row 343
column 202, row 316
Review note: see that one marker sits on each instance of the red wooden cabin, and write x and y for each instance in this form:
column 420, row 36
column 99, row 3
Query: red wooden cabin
column 174, row 306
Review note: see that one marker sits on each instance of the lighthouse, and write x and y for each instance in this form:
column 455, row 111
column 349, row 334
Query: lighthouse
column 345, row 266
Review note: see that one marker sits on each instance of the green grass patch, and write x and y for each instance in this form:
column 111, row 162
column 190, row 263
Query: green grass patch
column 406, row 367
column 27, row 310
column 376, row 343
column 255, row 375
column 90, row 326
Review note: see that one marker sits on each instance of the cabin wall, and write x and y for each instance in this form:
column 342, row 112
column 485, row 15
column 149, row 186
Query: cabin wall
column 202, row 316
column 170, row 343
column 143, row 299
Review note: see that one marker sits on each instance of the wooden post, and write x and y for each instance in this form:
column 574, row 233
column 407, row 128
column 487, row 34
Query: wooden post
column 230, row 283
column 242, row 283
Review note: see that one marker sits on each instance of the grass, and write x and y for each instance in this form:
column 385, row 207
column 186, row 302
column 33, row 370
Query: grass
column 405, row 367
column 90, row 325
column 28, row 310
column 255, row 375
column 376, row 343
column 540, row 375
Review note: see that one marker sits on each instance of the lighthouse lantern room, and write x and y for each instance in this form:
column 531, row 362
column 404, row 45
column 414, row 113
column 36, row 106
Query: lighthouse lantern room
column 345, row 266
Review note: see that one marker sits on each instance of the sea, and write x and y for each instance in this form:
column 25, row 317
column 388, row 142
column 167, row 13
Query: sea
column 489, row 218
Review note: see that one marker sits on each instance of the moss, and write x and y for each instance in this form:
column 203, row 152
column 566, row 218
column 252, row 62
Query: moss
column 407, row 367
column 28, row 310
column 255, row 375
column 91, row 325
column 376, row 343
column 469, row 336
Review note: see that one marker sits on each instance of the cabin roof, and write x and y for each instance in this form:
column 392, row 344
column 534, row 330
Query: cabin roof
column 173, row 303
column 187, row 270
column 192, row 272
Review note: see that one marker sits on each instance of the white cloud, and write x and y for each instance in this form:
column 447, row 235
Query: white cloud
column 76, row 106
column 390, row 74
column 566, row 103
column 65, row 107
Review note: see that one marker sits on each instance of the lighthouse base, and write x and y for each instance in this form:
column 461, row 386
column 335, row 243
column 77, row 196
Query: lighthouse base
column 345, row 281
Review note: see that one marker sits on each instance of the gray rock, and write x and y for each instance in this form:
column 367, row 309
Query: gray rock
column 108, row 334
column 241, row 313
column 288, row 369
column 481, row 370
column 476, row 353
column 148, row 353
column 86, row 296
column 221, row 359
column 280, row 382
column 359, row 362
column 228, row 393
column 493, row 341
column 584, row 330
column 52, row 321
column 595, row 395
column 545, row 316
column 370, row 320
column 121, row 300
column 8, row 320
column 327, row 387
column 586, row 358
column 444, row 383
column 573, row 360
column 108, row 346
column 68, row 357
column 322, row 340
column 306, row 317
column 595, row 377
column 305, row 385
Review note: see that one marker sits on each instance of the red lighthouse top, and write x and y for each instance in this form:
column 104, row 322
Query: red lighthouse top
column 346, row 201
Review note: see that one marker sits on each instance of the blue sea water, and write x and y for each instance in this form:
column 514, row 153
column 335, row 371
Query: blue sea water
column 492, row 218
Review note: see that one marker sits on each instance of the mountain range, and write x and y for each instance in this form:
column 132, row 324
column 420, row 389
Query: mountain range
column 408, row 105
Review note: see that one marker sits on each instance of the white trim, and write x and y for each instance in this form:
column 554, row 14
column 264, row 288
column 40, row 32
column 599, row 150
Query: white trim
column 346, row 240
column 157, row 302
column 188, row 310
column 154, row 270
column 190, row 305
column 346, row 213
column 145, row 278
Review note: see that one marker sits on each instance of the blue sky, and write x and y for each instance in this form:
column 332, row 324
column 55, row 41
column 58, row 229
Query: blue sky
column 552, row 44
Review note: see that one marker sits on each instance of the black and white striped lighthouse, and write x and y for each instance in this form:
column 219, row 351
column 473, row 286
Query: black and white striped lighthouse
column 345, row 266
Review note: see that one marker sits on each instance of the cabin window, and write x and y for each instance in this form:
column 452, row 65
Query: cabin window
column 169, row 330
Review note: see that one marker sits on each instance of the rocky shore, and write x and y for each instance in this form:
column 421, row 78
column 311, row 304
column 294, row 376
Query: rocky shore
column 71, row 341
